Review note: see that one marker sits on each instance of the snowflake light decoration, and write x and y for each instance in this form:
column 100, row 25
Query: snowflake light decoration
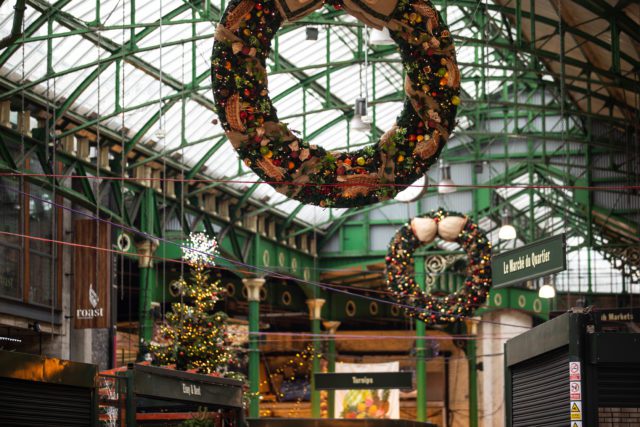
column 200, row 250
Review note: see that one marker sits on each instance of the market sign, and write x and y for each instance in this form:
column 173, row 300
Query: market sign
column 535, row 260
column 91, row 274
column 363, row 380
column 168, row 384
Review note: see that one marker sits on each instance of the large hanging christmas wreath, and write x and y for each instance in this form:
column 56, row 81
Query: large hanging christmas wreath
column 307, row 172
column 422, row 230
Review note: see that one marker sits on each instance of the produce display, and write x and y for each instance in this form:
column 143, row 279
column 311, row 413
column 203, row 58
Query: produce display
column 365, row 404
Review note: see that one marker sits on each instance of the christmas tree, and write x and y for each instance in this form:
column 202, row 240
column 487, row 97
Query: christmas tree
column 197, row 335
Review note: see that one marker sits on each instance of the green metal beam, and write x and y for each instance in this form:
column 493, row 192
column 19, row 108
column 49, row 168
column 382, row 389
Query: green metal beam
column 124, row 52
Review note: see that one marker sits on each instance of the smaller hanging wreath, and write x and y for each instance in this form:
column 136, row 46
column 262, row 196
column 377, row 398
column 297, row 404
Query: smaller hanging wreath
column 422, row 230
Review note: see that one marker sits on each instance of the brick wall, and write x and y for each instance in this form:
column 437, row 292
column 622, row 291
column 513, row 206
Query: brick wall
column 619, row 417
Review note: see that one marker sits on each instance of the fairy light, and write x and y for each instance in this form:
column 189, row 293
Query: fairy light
column 278, row 156
column 453, row 307
column 193, row 335
column 298, row 366
column 200, row 251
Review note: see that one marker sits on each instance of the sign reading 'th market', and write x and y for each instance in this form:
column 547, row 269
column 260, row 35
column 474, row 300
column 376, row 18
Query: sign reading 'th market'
column 544, row 257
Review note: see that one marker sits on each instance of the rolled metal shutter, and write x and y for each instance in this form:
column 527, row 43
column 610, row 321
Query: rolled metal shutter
column 31, row 403
column 619, row 386
column 540, row 390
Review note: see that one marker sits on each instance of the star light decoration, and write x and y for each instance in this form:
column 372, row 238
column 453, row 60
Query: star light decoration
column 450, row 308
column 307, row 172
column 200, row 251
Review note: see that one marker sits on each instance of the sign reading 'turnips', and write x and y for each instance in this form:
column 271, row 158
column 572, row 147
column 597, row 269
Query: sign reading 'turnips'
column 535, row 260
column 91, row 274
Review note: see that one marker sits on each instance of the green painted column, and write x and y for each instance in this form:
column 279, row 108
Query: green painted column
column 331, row 326
column 473, row 375
column 315, row 310
column 146, row 250
column 253, row 296
column 421, row 363
column 421, row 372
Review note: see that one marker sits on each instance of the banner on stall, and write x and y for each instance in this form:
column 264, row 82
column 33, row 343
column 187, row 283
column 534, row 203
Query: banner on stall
column 367, row 403
column 91, row 275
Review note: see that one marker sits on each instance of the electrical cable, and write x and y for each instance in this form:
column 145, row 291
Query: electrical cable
column 264, row 271
column 194, row 181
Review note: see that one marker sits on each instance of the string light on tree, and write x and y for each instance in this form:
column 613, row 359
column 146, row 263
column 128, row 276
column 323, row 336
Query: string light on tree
column 196, row 334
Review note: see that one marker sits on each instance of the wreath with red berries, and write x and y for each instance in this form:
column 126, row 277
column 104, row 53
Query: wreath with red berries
column 421, row 231
column 307, row 172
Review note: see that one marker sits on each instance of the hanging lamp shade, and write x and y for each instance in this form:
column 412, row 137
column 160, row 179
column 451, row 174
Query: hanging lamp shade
column 380, row 37
column 360, row 107
column 547, row 291
column 446, row 184
column 358, row 122
column 359, row 125
column 312, row 33
column 414, row 191
column 507, row 231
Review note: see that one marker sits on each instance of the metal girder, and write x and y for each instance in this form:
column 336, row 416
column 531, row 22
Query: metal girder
column 604, row 9
column 124, row 52
column 16, row 27
column 291, row 217
column 109, row 45
column 330, row 68
column 210, row 152
column 32, row 28
column 243, row 200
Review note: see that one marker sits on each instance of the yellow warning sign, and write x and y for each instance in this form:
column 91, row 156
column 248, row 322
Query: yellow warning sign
column 576, row 424
column 576, row 411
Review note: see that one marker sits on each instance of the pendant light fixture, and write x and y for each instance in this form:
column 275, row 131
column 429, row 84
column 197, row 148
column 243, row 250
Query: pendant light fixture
column 312, row 33
column 360, row 121
column 507, row 231
column 381, row 37
column 446, row 184
column 360, row 111
column 414, row 191
column 547, row 291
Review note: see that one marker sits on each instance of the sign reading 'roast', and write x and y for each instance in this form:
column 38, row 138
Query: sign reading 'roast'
column 91, row 274
column 528, row 262
column 360, row 380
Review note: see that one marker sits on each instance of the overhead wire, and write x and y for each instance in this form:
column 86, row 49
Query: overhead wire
column 263, row 271
column 193, row 181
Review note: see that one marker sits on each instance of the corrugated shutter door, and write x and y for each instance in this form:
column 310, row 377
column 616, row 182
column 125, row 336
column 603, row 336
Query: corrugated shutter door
column 619, row 386
column 31, row 403
column 540, row 389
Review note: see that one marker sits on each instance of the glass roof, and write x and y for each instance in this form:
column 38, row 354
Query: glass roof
column 148, row 80
column 165, row 72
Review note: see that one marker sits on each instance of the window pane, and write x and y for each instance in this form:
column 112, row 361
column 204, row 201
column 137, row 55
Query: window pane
column 10, row 279
column 41, row 279
column 40, row 218
column 41, row 224
column 10, row 284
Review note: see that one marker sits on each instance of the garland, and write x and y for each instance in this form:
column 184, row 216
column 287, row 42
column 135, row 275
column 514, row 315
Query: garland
column 400, row 266
column 307, row 172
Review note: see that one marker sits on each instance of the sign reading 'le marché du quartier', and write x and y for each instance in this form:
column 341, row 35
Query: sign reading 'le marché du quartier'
column 528, row 262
